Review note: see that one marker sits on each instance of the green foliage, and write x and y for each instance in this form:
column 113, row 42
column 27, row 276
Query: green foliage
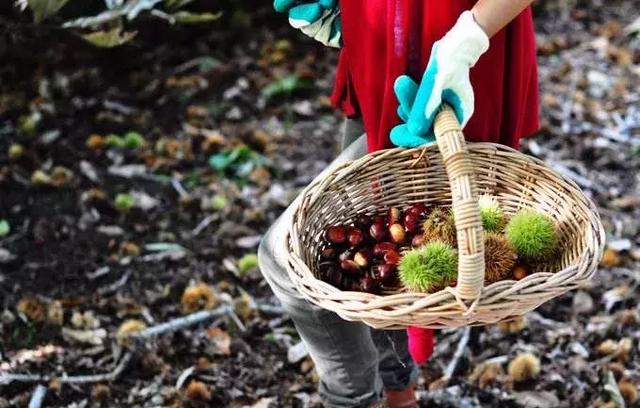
column 218, row 202
column 42, row 9
column 130, row 140
column 428, row 267
column 124, row 202
column 187, row 17
column 532, row 234
column 15, row 151
column 176, row 4
column 108, row 27
column 238, row 162
column 286, row 86
column 247, row 263
column 4, row 228
column 493, row 218
column 110, row 38
column 133, row 140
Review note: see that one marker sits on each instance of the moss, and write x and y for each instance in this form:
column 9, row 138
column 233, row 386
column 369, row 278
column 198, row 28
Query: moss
column 532, row 234
column 429, row 267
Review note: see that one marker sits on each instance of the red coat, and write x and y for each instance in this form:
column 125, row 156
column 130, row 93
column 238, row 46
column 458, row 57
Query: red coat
column 387, row 38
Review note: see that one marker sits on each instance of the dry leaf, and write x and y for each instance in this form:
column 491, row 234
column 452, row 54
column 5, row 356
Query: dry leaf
column 221, row 340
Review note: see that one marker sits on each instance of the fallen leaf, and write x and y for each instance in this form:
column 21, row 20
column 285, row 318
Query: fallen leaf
column 221, row 340
column 109, row 38
column 615, row 295
column 94, row 337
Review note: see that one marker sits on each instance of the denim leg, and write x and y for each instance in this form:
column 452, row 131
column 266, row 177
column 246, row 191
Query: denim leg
column 396, row 367
column 352, row 360
column 344, row 353
column 351, row 131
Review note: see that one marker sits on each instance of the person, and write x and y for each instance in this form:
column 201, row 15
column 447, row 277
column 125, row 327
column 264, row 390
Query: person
column 399, row 61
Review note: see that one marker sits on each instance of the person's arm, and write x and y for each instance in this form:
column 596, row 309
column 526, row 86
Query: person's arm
column 446, row 78
column 492, row 15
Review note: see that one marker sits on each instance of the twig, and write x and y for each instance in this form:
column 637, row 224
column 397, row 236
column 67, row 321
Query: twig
column 6, row 378
column 167, row 327
column 179, row 189
column 270, row 309
column 183, row 377
column 115, row 285
column 237, row 321
column 537, row 317
column 181, row 322
column 38, row 396
column 203, row 224
column 462, row 345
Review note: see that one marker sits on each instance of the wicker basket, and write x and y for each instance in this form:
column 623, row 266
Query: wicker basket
column 447, row 173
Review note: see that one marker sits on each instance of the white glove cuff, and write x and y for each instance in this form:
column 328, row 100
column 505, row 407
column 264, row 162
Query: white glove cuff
column 466, row 41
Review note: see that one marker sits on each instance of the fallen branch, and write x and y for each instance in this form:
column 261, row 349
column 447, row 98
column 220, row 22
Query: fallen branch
column 443, row 381
column 38, row 396
column 7, row 378
column 462, row 345
column 203, row 224
column 153, row 331
column 181, row 322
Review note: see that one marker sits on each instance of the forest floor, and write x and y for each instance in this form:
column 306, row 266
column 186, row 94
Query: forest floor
column 128, row 175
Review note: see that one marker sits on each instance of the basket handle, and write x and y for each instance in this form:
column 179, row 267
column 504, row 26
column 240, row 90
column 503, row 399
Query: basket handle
column 464, row 197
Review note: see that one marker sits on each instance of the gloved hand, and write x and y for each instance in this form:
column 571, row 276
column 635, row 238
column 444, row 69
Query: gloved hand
column 446, row 79
column 420, row 343
column 318, row 19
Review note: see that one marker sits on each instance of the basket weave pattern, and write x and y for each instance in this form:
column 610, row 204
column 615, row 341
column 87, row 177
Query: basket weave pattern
column 448, row 173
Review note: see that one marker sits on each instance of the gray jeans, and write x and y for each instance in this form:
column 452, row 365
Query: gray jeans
column 354, row 362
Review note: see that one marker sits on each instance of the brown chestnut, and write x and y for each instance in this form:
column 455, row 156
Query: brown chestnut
column 378, row 231
column 396, row 231
column 381, row 247
column 355, row 236
column 336, row 234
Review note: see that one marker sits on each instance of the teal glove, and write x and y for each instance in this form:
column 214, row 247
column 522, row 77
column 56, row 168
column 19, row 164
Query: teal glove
column 446, row 79
column 318, row 19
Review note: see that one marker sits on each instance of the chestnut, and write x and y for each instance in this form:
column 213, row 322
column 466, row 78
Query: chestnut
column 333, row 276
column 363, row 221
column 417, row 240
column 393, row 215
column 362, row 258
column 520, row 271
column 329, row 254
column 378, row 231
column 387, row 274
column 350, row 266
column 411, row 221
column 381, row 247
column 370, row 285
column 396, row 231
column 355, row 236
column 348, row 254
column 391, row 257
column 418, row 209
column 336, row 234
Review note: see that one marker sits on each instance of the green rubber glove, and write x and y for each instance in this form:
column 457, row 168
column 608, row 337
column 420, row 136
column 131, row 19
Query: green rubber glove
column 319, row 19
column 446, row 80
